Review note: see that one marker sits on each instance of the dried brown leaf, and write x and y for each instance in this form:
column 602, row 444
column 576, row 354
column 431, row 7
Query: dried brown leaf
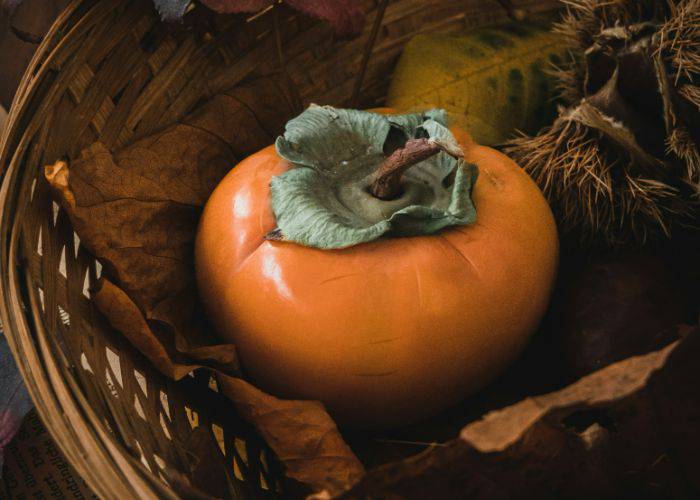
column 137, row 211
column 208, row 477
column 302, row 435
column 124, row 316
column 627, row 431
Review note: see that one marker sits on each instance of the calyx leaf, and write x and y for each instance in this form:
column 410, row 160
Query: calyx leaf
column 324, row 201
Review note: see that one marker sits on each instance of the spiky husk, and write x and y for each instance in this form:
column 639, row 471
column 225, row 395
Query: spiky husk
column 681, row 144
column 584, row 19
column 566, row 75
column 691, row 93
column 606, row 178
column 679, row 39
column 576, row 165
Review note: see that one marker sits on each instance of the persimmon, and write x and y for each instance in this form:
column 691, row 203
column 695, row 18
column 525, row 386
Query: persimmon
column 362, row 262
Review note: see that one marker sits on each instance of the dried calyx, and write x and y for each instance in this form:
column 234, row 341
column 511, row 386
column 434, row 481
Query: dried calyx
column 359, row 176
column 621, row 164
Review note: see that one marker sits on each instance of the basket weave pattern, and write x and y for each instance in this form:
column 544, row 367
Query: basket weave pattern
column 110, row 71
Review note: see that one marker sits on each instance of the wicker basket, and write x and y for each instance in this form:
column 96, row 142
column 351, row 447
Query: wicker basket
column 109, row 70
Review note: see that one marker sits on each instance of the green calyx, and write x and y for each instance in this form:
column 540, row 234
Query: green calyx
column 326, row 202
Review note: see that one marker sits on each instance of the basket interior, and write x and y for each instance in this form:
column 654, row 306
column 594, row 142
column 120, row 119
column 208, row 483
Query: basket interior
column 110, row 71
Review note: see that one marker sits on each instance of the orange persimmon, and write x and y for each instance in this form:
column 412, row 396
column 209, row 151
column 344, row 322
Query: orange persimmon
column 383, row 332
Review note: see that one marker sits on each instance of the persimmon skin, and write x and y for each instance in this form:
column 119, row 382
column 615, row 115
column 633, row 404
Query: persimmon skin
column 388, row 332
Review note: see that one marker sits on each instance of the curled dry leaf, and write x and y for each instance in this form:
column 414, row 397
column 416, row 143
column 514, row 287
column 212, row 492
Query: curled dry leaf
column 206, row 469
column 137, row 211
column 125, row 317
column 301, row 434
column 627, row 431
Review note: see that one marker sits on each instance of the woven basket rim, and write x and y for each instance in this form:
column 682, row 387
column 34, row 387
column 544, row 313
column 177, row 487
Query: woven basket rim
column 97, row 458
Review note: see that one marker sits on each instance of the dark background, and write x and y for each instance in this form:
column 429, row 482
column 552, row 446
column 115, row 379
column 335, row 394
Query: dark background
column 29, row 21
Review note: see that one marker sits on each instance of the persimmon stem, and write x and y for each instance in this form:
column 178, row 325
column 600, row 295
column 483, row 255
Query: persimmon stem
column 387, row 181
